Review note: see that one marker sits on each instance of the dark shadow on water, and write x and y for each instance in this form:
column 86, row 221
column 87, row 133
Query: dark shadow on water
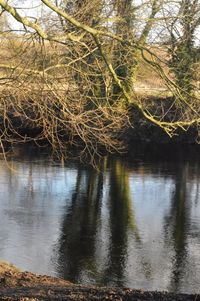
column 79, row 227
column 177, row 224
column 121, row 220
column 103, row 218
column 83, row 221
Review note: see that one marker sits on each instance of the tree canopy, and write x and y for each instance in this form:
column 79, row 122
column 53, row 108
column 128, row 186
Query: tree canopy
column 75, row 70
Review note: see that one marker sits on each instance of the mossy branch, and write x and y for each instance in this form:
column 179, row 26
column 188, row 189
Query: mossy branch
column 25, row 21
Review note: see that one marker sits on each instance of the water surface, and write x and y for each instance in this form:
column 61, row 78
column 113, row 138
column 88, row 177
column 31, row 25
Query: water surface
column 134, row 224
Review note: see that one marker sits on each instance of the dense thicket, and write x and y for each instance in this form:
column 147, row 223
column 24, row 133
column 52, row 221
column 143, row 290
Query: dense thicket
column 71, row 75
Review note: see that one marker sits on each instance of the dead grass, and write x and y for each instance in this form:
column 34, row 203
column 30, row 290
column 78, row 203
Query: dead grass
column 7, row 267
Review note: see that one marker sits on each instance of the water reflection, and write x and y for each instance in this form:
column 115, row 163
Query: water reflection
column 79, row 226
column 84, row 224
column 122, row 220
column 133, row 223
column 178, row 222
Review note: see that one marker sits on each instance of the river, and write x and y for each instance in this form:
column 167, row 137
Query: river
column 135, row 223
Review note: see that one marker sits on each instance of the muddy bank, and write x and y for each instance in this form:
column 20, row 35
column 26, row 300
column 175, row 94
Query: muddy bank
column 23, row 286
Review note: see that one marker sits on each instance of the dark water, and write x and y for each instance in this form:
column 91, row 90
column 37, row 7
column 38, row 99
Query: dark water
column 135, row 224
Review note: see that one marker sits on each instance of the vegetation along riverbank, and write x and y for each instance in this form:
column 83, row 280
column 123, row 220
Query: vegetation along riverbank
column 88, row 77
column 91, row 74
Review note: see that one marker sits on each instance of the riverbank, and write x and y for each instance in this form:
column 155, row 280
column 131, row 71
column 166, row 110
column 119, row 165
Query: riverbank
column 23, row 286
column 76, row 130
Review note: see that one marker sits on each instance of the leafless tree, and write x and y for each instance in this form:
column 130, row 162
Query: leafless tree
column 66, row 80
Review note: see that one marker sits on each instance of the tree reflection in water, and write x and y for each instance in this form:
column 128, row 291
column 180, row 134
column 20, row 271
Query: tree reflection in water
column 178, row 224
column 77, row 244
column 122, row 220
column 133, row 224
column 83, row 220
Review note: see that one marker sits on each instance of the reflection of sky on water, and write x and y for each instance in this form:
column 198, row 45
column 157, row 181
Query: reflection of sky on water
column 32, row 198
column 136, row 227
column 151, row 197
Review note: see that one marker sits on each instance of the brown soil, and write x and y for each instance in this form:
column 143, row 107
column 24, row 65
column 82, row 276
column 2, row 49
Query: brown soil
column 26, row 286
